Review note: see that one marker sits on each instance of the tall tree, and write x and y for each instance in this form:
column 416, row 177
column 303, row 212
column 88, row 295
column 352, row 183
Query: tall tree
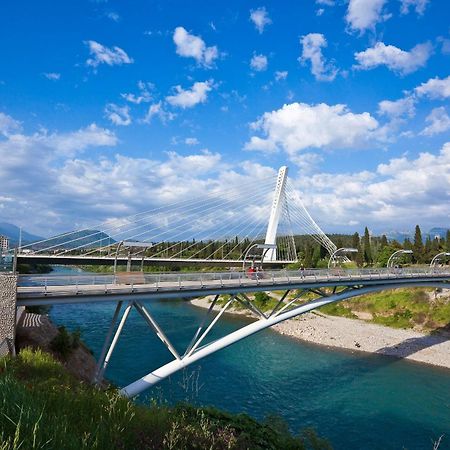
column 383, row 242
column 367, row 249
column 418, row 245
column 356, row 243
column 308, row 255
column 359, row 257
column 447, row 241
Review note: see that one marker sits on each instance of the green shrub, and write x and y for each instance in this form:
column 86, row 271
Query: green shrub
column 64, row 343
column 43, row 407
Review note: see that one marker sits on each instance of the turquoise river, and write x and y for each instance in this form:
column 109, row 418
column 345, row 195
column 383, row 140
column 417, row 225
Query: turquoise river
column 355, row 400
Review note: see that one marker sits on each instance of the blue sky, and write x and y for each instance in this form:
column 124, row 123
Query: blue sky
column 109, row 107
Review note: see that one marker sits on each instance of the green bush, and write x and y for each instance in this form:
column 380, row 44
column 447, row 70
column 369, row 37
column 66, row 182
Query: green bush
column 64, row 343
column 43, row 407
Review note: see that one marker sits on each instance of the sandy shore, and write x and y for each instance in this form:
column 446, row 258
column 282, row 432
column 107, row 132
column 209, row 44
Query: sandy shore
column 354, row 334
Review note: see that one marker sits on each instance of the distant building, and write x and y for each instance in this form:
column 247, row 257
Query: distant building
column 4, row 243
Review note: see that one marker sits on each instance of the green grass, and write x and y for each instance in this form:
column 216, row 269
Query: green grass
column 43, row 407
column 400, row 308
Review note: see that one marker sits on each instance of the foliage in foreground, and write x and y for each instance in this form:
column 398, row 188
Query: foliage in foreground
column 43, row 407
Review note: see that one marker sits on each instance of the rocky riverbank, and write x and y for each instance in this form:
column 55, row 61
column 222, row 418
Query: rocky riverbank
column 357, row 335
column 37, row 331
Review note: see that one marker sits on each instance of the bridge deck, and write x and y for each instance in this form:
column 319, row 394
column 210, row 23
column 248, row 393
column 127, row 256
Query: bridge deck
column 82, row 288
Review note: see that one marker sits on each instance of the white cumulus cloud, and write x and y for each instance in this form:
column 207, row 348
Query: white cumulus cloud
column 144, row 95
column 281, row 75
column 8, row 124
column 363, row 15
column 191, row 141
column 398, row 108
column 312, row 51
column 78, row 141
column 395, row 59
column 418, row 5
column 258, row 63
column 298, row 126
column 188, row 98
column 118, row 115
column 396, row 195
column 260, row 18
column 435, row 88
column 54, row 76
column 191, row 46
column 438, row 120
column 157, row 110
column 105, row 55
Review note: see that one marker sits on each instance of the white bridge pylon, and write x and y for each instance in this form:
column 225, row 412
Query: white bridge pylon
column 279, row 199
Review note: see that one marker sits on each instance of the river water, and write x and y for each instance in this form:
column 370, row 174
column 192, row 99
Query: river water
column 355, row 400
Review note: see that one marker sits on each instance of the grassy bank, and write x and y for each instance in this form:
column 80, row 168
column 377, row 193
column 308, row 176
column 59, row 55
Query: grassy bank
column 420, row 309
column 43, row 407
column 401, row 308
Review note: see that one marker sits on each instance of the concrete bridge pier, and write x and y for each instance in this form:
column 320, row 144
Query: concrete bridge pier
column 8, row 298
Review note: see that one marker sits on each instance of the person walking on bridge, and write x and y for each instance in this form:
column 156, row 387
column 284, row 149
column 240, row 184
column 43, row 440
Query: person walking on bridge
column 302, row 271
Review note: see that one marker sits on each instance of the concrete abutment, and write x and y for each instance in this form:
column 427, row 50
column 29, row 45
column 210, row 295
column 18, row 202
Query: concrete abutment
column 8, row 299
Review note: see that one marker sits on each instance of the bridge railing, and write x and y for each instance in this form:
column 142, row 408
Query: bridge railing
column 198, row 280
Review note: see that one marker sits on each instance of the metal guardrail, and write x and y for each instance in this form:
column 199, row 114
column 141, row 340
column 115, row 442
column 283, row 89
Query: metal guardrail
column 78, row 284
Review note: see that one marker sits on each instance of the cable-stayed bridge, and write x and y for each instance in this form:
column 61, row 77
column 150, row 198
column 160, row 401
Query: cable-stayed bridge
column 216, row 229
column 220, row 228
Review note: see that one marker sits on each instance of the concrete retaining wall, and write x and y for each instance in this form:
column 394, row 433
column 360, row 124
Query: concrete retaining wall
column 8, row 295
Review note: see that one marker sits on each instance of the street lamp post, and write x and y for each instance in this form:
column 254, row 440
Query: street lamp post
column 343, row 250
column 265, row 247
column 438, row 257
column 395, row 255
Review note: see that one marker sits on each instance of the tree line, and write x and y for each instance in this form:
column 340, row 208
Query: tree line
column 372, row 250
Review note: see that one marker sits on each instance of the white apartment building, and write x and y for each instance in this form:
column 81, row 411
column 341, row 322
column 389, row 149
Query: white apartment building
column 4, row 243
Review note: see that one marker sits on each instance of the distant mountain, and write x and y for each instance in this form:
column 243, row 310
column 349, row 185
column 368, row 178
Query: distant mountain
column 398, row 236
column 12, row 233
column 438, row 231
column 85, row 238
column 78, row 239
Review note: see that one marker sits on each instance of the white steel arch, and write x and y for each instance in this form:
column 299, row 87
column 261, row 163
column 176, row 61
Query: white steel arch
column 195, row 353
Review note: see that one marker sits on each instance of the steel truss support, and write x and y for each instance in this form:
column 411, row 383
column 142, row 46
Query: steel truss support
column 284, row 309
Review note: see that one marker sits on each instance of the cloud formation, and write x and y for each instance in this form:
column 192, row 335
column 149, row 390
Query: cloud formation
column 8, row 124
column 191, row 46
column 118, row 115
column 363, row 15
column 298, row 126
column 418, row 5
column 398, row 108
column 435, row 88
column 144, row 95
column 100, row 54
column 53, row 76
column 258, row 63
column 395, row 59
column 438, row 120
column 187, row 98
column 157, row 110
column 391, row 197
column 260, row 18
column 312, row 45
